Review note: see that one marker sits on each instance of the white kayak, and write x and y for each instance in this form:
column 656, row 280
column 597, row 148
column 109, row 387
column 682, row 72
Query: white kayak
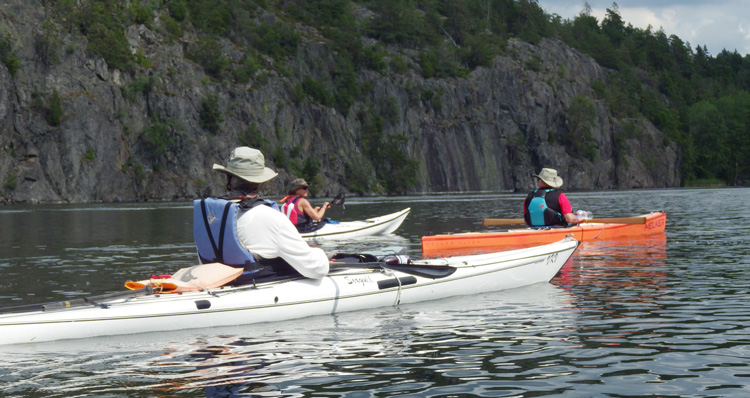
column 348, row 288
column 382, row 225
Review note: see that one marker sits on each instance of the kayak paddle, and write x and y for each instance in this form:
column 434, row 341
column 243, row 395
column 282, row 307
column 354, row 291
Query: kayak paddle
column 611, row 220
column 425, row 271
column 78, row 302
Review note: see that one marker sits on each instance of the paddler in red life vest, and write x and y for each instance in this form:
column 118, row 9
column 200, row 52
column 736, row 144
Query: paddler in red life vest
column 299, row 210
column 546, row 206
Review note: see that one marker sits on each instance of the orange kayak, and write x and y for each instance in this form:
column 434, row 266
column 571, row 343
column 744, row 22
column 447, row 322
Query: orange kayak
column 482, row 242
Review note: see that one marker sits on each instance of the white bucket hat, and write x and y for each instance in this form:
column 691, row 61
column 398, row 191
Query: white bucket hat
column 549, row 177
column 248, row 164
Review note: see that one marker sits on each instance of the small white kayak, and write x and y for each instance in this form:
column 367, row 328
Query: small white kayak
column 382, row 225
column 348, row 287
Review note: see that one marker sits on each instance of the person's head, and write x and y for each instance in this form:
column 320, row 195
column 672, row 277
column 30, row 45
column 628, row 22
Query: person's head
column 246, row 170
column 298, row 187
column 548, row 178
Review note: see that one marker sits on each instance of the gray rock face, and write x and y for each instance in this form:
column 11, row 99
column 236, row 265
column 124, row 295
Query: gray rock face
column 487, row 132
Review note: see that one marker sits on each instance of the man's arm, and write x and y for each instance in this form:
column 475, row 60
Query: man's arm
column 567, row 210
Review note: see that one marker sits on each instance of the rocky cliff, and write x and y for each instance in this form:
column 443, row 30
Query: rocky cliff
column 488, row 131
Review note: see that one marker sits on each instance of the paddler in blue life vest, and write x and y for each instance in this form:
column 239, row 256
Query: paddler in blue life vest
column 546, row 206
column 299, row 210
column 263, row 230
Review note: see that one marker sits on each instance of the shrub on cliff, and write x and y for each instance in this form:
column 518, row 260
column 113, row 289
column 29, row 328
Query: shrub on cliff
column 210, row 115
column 54, row 111
column 10, row 60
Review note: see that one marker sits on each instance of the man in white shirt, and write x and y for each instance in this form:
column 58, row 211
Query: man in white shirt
column 264, row 231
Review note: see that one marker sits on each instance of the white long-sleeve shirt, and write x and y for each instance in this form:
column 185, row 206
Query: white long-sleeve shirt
column 268, row 233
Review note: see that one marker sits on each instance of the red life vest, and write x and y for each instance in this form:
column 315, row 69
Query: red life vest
column 295, row 215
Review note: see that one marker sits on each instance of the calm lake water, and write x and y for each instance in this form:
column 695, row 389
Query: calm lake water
column 667, row 316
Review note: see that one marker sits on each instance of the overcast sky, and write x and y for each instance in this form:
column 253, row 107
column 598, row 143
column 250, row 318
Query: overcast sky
column 717, row 24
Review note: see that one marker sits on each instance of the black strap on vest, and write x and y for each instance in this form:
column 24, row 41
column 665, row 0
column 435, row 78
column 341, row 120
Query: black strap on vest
column 218, row 249
column 220, row 257
column 244, row 204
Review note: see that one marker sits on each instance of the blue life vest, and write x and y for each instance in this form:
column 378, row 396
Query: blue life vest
column 215, row 231
column 539, row 214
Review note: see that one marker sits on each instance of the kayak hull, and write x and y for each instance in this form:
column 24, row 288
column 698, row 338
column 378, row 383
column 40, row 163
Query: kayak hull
column 343, row 290
column 472, row 243
column 382, row 225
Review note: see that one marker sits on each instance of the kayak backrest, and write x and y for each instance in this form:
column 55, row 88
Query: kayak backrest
column 215, row 233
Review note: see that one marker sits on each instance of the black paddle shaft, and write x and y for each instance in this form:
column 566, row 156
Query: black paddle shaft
column 78, row 302
column 425, row 271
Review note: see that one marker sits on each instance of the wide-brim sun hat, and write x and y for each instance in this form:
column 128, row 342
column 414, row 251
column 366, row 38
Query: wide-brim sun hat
column 550, row 177
column 297, row 184
column 247, row 163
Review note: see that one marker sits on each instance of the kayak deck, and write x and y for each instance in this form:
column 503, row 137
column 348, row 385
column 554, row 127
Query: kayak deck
column 482, row 242
column 381, row 225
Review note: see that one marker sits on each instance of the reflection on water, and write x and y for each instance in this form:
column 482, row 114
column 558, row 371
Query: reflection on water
column 666, row 316
column 604, row 263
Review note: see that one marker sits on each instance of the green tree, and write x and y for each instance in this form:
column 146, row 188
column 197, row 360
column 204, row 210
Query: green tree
column 158, row 136
column 278, row 40
column 397, row 170
column 346, row 89
column 178, row 9
column 393, row 168
column 210, row 16
column 103, row 22
column 317, row 91
column 710, row 134
column 54, row 111
column 580, row 123
column 735, row 110
column 48, row 42
column 252, row 136
column 399, row 22
column 207, row 52
column 337, row 13
column 210, row 117
column 613, row 26
column 310, row 168
column 10, row 60
column 534, row 23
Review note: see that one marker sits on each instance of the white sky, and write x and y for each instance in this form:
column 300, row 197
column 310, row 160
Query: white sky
column 717, row 24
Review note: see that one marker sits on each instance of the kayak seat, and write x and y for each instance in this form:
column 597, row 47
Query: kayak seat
column 311, row 226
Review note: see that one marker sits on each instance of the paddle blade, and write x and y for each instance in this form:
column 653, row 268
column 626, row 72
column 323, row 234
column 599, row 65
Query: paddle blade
column 338, row 199
column 425, row 271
